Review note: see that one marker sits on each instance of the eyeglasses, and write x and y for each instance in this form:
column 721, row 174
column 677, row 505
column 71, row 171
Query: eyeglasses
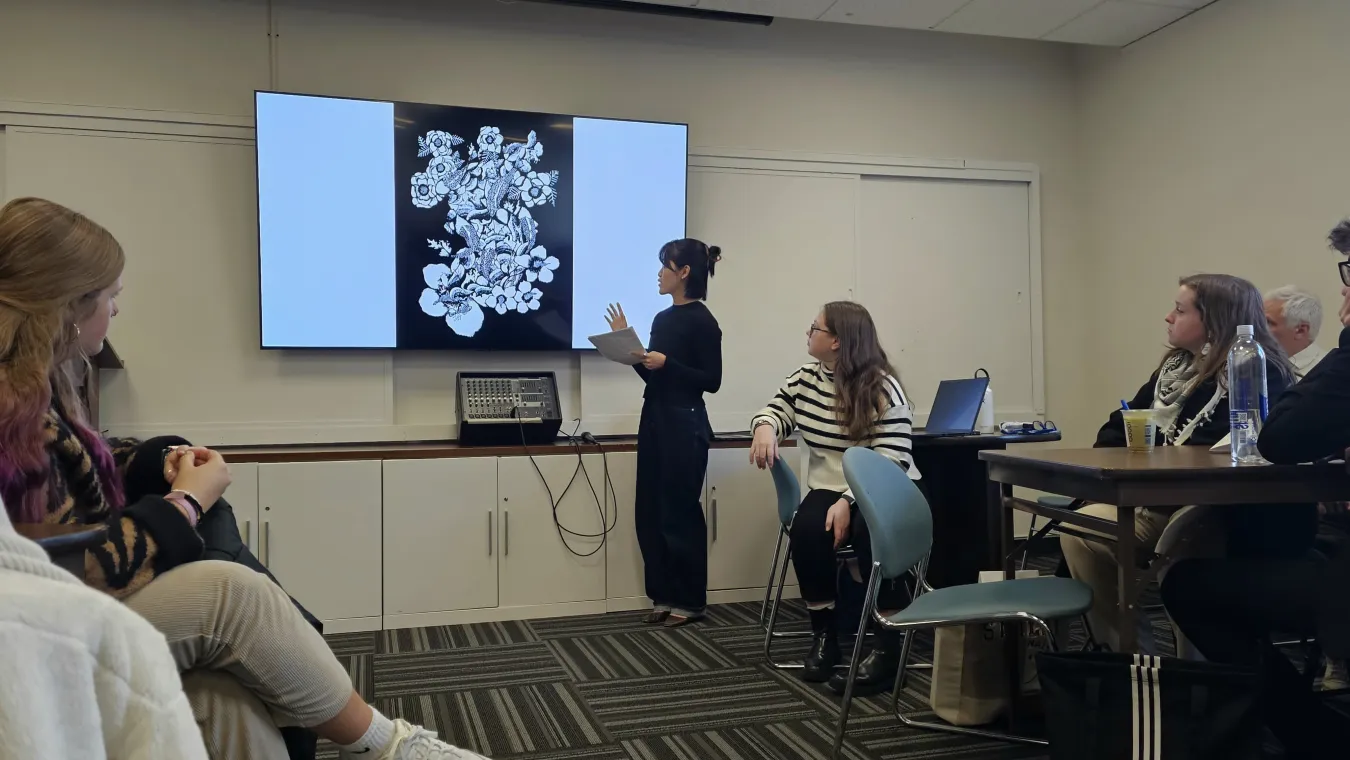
column 811, row 332
column 1344, row 266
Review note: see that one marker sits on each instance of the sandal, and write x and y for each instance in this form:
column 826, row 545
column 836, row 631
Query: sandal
column 656, row 617
column 675, row 621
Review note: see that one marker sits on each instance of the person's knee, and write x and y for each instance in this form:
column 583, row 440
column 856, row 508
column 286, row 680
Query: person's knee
column 240, row 584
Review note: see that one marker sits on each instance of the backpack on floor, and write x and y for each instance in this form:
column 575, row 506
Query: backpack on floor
column 1111, row 706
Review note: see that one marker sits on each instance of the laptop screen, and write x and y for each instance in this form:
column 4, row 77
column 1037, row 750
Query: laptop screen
column 956, row 406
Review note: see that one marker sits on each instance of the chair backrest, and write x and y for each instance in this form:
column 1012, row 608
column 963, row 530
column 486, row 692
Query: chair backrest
column 897, row 514
column 789, row 491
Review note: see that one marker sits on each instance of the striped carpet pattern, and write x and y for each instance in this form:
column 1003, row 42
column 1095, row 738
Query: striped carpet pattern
column 608, row 687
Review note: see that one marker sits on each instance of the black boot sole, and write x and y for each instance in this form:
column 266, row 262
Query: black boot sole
column 811, row 675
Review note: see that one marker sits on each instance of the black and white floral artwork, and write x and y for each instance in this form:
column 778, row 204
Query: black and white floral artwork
column 492, row 261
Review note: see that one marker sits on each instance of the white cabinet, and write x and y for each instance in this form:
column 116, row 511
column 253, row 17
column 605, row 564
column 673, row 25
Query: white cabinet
column 541, row 563
column 243, row 498
column 623, row 558
column 440, row 535
column 321, row 537
column 742, row 513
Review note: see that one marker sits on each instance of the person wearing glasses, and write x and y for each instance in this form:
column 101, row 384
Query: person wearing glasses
column 1230, row 608
column 849, row 396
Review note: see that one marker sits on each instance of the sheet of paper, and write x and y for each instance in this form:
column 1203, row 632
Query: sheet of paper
column 1224, row 446
column 619, row 346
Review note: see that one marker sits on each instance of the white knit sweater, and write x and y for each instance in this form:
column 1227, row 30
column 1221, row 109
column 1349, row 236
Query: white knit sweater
column 81, row 675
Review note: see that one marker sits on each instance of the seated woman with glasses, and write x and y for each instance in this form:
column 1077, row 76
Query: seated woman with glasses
column 849, row 396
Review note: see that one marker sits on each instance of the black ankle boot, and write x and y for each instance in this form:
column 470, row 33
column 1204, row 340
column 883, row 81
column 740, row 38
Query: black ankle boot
column 876, row 671
column 824, row 654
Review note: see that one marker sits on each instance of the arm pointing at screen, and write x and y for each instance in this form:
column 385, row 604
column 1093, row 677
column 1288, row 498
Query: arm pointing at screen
column 683, row 361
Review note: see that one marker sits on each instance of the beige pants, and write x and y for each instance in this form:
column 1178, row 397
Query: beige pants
column 235, row 724
column 1173, row 533
column 249, row 661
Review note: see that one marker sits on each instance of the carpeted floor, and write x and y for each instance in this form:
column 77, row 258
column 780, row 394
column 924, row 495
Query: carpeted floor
column 611, row 688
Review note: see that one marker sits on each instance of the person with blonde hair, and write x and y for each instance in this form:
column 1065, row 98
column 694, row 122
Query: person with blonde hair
column 247, row 655
column 1188, row 394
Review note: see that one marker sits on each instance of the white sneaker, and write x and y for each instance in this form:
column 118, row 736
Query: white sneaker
column 416, row 743
column 1335, row 676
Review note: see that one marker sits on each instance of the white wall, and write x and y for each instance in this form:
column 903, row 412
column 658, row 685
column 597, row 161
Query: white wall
column 794, row 86
column 1218, row 144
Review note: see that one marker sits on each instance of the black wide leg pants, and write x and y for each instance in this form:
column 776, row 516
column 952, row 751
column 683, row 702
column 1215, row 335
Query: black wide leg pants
column 672, row 463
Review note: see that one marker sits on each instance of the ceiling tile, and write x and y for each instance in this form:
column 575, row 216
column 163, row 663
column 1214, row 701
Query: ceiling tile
column 808, row 9
column 1116, row 23
column 1015, row 18
column 910, row 14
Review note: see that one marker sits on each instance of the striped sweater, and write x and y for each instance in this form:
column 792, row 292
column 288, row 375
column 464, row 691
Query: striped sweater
column 806, row 403
column 146, row 537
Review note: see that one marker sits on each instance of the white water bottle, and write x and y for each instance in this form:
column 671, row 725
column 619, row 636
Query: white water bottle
column 1247, row 400
column 984, row 421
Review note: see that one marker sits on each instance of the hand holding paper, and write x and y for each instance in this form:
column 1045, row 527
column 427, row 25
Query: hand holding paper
column 620, row 346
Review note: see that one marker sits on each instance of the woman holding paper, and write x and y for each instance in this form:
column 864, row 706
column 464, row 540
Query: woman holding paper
column 683, row 361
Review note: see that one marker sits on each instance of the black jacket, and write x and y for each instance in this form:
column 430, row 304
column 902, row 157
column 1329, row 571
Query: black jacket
column 1311, row 421
column 1209, row 432
column 1253, row 530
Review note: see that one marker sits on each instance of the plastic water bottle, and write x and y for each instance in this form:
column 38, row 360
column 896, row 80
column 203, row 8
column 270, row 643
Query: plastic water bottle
column 1247, row 400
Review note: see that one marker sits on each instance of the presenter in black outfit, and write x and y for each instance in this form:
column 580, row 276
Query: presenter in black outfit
column 682, row 362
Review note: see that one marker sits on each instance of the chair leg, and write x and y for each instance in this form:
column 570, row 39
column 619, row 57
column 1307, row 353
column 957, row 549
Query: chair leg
column 962, row 730
column 902, row 670
column 769, row 633
column 1026, row 548
column 869, row 604
column 1090, row 641
column 773, row 570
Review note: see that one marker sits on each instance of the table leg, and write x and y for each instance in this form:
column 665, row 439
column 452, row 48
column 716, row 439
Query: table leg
column 1012, row 640
column 1000, row 528
column 1127, row 580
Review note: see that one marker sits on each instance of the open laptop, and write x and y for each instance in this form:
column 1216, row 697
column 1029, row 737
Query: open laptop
column 956, row 407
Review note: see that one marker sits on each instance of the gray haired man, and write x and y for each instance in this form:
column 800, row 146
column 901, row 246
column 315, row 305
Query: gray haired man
column 1295, row 317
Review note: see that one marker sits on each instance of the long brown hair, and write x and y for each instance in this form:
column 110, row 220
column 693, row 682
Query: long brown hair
column 1224, row 302
column 860, row 370
column 54, row 263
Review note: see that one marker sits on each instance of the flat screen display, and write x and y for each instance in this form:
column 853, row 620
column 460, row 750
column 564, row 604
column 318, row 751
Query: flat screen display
column 398, row 225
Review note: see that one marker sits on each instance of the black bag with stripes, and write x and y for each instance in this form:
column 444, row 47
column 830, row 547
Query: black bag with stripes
column 1108, row 706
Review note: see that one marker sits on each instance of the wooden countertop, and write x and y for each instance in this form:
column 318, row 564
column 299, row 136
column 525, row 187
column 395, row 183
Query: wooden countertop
column 338, row 452
column 346, row 452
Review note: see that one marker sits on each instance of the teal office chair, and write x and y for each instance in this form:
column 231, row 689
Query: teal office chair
column 901, row 525
column 789, row 493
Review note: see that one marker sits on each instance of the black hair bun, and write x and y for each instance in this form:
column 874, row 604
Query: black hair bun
column 1340, row 237
column 714, row 256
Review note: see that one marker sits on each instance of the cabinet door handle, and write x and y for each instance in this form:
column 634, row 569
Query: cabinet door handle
column 267, row 542
column 248, row 533
column 506, row 534
column 489, row 533
column 714, row 519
